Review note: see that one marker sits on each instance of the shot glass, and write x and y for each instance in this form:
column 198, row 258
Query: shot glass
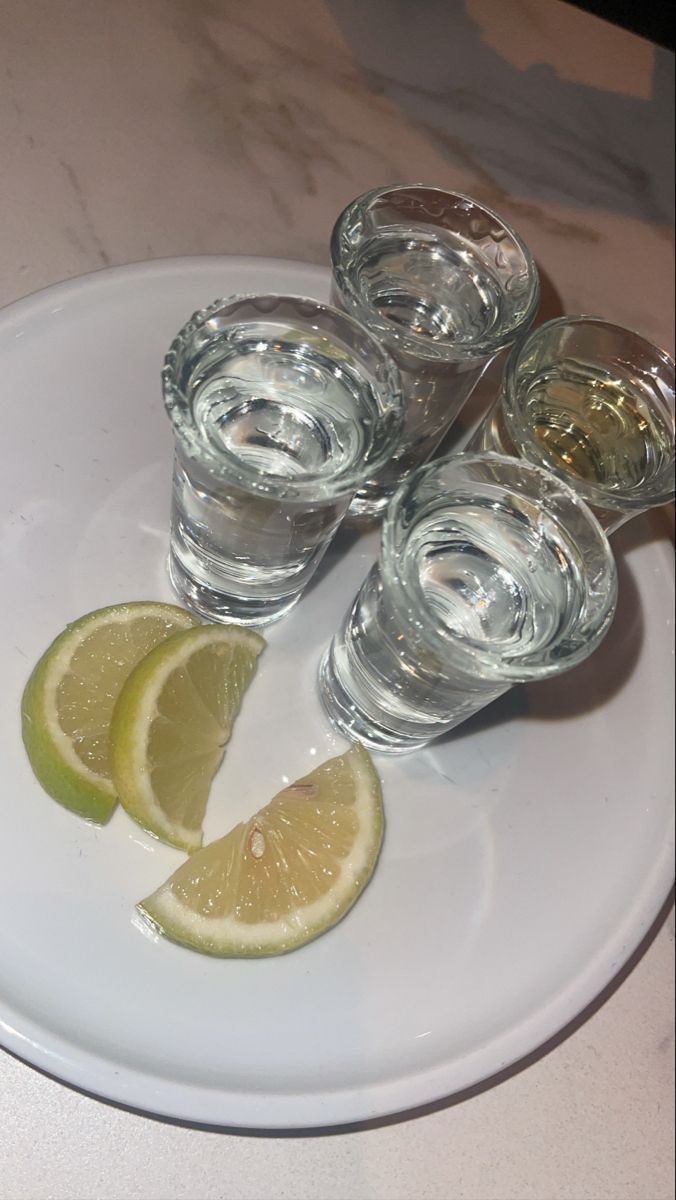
column 445, row 285
column 281, row 407
column 491, row 572
column 594, row 403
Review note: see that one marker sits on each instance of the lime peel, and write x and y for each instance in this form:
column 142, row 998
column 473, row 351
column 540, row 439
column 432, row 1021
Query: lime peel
column 60, row 770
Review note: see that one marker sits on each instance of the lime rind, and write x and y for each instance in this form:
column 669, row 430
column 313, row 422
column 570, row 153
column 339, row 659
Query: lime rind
column 229, row 937
column 50, row 752
column 132, row 718
column 50, row 756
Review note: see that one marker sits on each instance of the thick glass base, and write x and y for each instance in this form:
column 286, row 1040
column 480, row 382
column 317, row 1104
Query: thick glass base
column 367, row 507
column 220, row 607
column 342, row 712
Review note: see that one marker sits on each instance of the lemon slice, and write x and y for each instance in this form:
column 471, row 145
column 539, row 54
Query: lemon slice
column 171, row 724
column 284, row 877
column 68, row 701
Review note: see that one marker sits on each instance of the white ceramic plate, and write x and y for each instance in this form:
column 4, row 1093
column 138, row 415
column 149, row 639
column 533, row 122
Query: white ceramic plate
column 525, row 856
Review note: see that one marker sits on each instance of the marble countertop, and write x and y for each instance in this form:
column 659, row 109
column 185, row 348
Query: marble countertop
column 178, row 127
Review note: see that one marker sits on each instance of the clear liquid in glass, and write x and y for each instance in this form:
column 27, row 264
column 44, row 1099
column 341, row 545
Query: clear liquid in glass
column 276, row 411
column 434, row 285
column 495, row 583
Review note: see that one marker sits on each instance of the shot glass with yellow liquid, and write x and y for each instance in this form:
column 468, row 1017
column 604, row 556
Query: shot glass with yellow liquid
column 594, row 403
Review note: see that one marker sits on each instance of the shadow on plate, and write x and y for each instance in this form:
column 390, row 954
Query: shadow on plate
column 595, row 682
column 645, row 530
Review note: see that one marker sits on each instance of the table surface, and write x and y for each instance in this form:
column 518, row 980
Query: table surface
column 133, row 131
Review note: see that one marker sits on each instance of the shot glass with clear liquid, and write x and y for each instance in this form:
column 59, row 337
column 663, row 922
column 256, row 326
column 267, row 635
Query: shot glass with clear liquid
column 491, row 572
column 445, row 285
column 281, row 407
column 594, row 403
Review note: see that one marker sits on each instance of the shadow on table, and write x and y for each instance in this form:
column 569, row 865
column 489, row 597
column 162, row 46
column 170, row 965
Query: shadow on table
column 527, row 136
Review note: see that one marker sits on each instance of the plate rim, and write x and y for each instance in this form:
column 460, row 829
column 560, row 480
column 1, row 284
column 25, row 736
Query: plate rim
column 153, row 266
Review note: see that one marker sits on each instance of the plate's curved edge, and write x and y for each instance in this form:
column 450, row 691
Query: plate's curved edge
column 104, row 1078
column 60, row 287
column 401, row 1099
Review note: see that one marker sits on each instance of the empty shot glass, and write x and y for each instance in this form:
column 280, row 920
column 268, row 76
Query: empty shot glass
column 445, row 285
column 594, row 403
column 281, row 407
column 491, row 572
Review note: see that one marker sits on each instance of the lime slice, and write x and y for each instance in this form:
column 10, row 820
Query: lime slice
column 69, row 699
column 287, row 875
column 171, row 724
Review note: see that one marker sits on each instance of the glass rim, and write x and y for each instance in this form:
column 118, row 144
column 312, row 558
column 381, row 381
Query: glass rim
column 408, row 341
column 471, row 654
column 519, row 431
column 222, row 464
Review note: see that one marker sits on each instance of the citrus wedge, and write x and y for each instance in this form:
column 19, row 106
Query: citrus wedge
column 171, row 724
column 284, row 877
column 68, row 701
